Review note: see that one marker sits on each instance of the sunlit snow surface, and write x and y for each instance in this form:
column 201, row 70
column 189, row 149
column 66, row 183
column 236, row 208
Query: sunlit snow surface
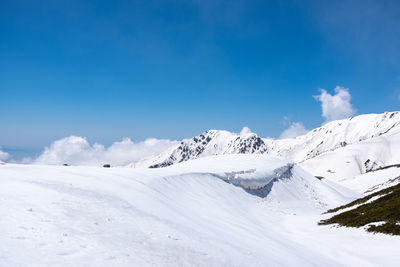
column 198, row 213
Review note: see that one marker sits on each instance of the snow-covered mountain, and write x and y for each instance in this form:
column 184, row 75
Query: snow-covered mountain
column 378, row 131
column 209, row 143
column 337, row 134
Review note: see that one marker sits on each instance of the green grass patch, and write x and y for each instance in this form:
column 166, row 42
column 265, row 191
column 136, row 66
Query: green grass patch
column 384, row 209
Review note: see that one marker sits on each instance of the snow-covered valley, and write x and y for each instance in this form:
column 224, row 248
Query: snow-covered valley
column 195, row 213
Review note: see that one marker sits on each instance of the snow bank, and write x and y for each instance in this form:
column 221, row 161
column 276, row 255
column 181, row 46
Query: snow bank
column 247, row 171
column 277, row 180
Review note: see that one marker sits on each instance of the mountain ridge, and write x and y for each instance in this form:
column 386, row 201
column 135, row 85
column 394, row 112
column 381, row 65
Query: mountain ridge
column 329, row 137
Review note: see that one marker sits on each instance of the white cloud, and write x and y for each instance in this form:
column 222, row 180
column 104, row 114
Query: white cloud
column 75, row 150
column 245, row 130
column 4, row 155
column 336, row 107
column 295, row 129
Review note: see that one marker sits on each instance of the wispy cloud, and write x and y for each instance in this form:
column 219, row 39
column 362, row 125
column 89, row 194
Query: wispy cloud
column 295, row 129
column 245, row 130
column 337, row 106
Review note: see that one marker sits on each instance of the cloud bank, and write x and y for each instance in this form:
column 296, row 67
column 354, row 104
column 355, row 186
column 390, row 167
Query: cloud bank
column 295, row 129
column 337, row 106
column 4, row 155
column 75, row 150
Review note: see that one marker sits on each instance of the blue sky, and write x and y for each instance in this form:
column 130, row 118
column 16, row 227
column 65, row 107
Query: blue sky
column 172, row 69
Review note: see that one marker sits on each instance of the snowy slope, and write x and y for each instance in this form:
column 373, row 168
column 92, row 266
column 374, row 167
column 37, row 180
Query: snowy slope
column 338, row 134
column 356, row 159
column 371, row 182
column 378, row 131
column 192, row 213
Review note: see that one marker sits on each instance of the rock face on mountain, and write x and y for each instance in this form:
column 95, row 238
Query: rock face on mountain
column 213, row 142
column 327, row 138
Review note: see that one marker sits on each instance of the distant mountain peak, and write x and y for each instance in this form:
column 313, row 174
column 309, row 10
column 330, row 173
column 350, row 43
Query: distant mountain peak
column 213, row 142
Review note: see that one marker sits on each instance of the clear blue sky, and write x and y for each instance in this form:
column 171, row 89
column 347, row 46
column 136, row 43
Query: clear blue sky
column 172, row 69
